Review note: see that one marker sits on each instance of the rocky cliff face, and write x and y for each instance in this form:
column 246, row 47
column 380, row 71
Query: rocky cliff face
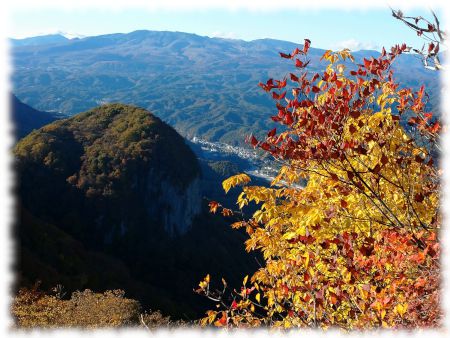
column 175, row 207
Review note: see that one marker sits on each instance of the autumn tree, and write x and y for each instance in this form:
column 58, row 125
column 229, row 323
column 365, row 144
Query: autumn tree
column 357, row 246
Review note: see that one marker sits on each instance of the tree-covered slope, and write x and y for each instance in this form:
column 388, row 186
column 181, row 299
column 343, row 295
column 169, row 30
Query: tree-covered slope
column 112, row 198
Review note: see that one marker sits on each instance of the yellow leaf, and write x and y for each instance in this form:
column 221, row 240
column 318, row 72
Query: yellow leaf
column 401, row 309
column 258, row 298
column 306, row 263
column 234, row 181
column 289, row 235
column 237, row 225
column 245, row 280
column 347, row 276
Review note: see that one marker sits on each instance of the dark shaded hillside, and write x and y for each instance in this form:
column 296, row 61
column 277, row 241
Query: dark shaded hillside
column 26, row 118
column 111, row 198
column 114, row 159
column 202, row 86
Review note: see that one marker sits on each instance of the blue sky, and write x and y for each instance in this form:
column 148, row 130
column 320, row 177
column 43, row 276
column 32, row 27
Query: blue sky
column 327, row 28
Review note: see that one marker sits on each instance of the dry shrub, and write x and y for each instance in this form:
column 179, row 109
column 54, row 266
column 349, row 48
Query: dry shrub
column 32, row 308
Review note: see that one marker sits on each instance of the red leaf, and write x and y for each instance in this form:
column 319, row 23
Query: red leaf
column 355, row 114
column 419, row 198
column 367, row 63
column 272, row 132
column 344, row 204
column 435, row 127
column 376, row 169
column 315, row 77
column 321, row 119
column 421, row 282
column 306, row 239
column 296, row 51
column 213, row 205
column 427, row 116
column 306, row 276
column 352, row 129
column 278, row 96
column 430, row 47
column 234, row 305
column 367, row 250
column 315, row 89
column 350, row 175
column 253, row 141
column 306, row 45
column 286, row 56
column 288, row 119
column 333, row 298
column 275, row 118
column 294, row 77
column 298, row 63
column 334, row 176
column 222, row 321
column 281, row 84
column 227, row 212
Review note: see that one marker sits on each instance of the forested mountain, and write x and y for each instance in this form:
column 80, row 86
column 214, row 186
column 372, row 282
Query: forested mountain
column 204, row 87
column 112, row 198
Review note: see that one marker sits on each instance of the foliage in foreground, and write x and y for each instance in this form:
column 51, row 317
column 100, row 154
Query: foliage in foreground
column 32, row 308
column 357, row 247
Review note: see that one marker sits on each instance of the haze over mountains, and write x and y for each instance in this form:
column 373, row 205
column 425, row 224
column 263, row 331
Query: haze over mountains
column 204, row 87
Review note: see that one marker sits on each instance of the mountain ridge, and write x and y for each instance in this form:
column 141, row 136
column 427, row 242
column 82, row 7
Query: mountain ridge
column 18, row 41
column 202, row 86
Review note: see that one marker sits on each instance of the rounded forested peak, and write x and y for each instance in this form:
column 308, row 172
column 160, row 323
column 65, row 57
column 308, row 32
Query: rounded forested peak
column 105, row 114
column 107, row 149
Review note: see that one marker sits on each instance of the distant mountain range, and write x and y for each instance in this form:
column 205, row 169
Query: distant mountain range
column 47, row 39
column 39, row 40
column 205, row 87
